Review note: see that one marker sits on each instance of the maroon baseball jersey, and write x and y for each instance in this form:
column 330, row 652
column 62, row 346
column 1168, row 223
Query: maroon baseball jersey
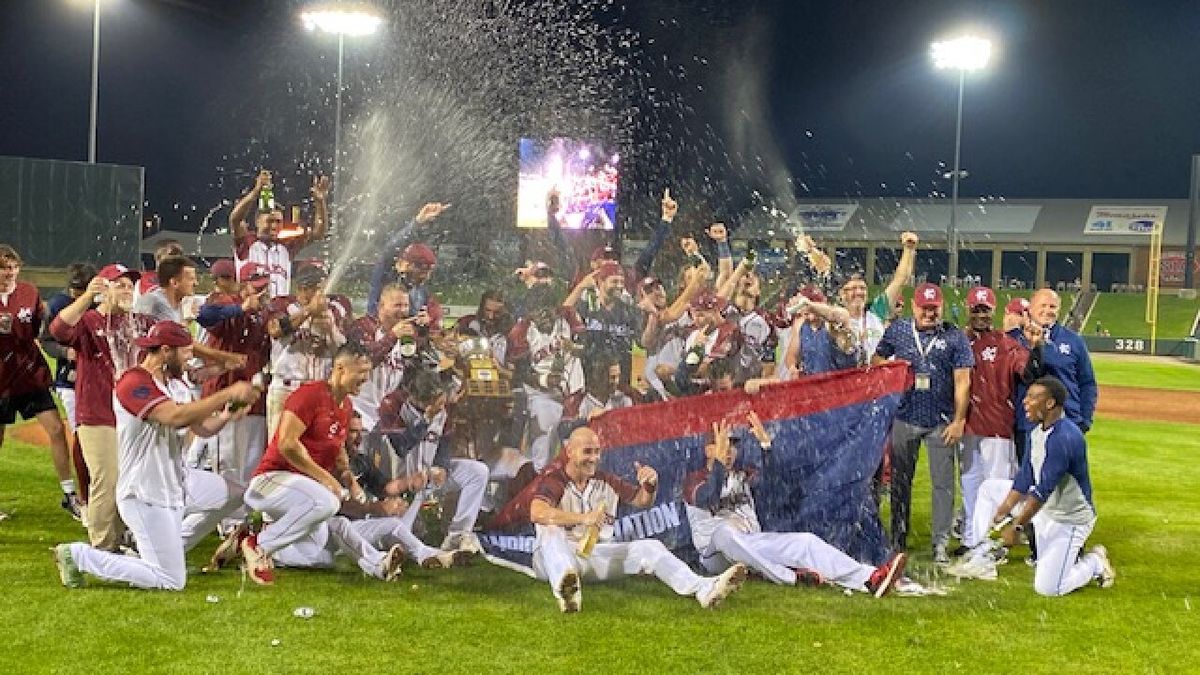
column 246, row 335
column 104, row 348
column 602, row 490
column 999, row 362
column 325, row 423
column 23, row 369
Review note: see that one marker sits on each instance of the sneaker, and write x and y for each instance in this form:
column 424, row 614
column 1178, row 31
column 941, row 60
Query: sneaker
column 229, row 548
column 462, row 541
column 257, row 564
column 729, row 581
column 940, row 557
column 1108, row 573
column 808, row 577
column 70, row 503
column 981, row 567
column 392, row 562
column 886, row 575
column 68, row 571
column 447, row 559
column 570, row 593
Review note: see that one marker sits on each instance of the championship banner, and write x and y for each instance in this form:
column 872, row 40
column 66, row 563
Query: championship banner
column 1124, row 219
column 825, row 217
column 828, row 437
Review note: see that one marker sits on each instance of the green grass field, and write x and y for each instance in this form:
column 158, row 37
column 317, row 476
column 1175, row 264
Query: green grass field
column 1125, row 316
column 1160, row 374
column 485, row 619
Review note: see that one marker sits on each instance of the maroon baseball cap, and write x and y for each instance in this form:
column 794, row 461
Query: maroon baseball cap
column 604, row 253
column 165, row 334
column 813, row 294
column 709, row 301
column 981, row 295
column 255, row 274
column 1017, row 306
column 223, row 268
column 419, row 254
column 606, row 270
column 116, row 271
column 927, row 295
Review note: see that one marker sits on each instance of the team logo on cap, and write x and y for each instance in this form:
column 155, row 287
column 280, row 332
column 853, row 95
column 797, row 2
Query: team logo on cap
column 981, row 295
column 930, row 294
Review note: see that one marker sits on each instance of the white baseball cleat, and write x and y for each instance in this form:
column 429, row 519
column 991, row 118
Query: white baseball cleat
column 974, row 568
column 1108, row 573
column 570, row 593
column 462, row 541
column 729, row 581
column 390, row 567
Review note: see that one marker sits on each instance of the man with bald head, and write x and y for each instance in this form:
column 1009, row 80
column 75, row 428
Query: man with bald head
column 575, row 502
column 1066, row 358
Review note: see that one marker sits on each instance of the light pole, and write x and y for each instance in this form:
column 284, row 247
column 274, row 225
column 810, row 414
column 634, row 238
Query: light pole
column 353, row 19
column 963, row 54
column 95, row 81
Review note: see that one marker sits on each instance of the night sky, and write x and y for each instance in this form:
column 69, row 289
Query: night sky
column 1088, row 98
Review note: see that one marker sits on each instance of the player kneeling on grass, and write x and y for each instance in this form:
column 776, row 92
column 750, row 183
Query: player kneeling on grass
column 384, row 520
column 1053, row 491
column 168, row 507
column 725, row 527
column 575, row 501
column 295, row 485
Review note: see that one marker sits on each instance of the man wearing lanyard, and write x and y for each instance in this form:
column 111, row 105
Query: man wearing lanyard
column 933, row 411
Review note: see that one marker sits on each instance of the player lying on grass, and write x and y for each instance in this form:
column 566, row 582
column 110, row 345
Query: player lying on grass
column 1053, row 491
column 575, row 506
column 169, row 508
column 725, row 527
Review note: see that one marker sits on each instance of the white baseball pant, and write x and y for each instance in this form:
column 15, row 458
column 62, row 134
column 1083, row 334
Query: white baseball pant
column 1060, row 568
column 338, row 534
column 545, row 412
column 469, row 478
column 318, row 549
column 296, row 505
column 163, row 535
column 983, row 459
column 776, row 555
column 554, row 555
column 240, row 446
column 67, row 396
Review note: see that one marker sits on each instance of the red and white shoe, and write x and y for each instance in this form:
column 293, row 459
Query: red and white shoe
column 886, row 575
column 229, row 548
column 258, row 564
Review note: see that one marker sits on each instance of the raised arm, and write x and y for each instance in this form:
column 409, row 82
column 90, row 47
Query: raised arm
column 320, row 197
column 904, row 269
column 646, row 259
column 242, row 209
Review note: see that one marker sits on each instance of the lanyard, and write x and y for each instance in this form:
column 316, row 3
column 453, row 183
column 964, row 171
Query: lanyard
column 923, row 350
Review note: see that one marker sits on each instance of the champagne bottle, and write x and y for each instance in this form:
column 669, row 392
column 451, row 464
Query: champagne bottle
column 266, row 198
column 592, row 536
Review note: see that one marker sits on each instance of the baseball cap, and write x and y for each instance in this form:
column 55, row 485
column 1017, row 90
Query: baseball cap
column 813, row 294
column 981, row 295
column 255, row 274
column 927, row 295
column 309, row 276
column 419, row 254
column 709, row 301
column 116, row 271
column 604, row 253
column 165, row 334
column 606, row 270
column 223, row 268
column 1017, row 306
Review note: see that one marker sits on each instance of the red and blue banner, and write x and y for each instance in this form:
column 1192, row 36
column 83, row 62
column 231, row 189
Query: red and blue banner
column 828, row 431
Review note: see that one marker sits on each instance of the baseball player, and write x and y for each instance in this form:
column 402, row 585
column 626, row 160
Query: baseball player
column 725, row 527
column 295, row 484
column 24, row 374
column 575, row 497
column 263, row 246
column 304, row 335
column 541, row 353
column 168, row 508
column 410, row 265
column 384, row 521
column 417, row 433
column 1052, row 490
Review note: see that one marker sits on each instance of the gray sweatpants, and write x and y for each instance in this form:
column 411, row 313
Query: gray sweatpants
column 906, row 447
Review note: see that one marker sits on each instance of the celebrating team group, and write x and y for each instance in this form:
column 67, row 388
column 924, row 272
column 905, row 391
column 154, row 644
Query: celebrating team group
column 273, row 417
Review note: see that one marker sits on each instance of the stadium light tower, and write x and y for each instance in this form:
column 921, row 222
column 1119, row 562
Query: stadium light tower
column 95, row 95
column 964, row 54
column 344, row 19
